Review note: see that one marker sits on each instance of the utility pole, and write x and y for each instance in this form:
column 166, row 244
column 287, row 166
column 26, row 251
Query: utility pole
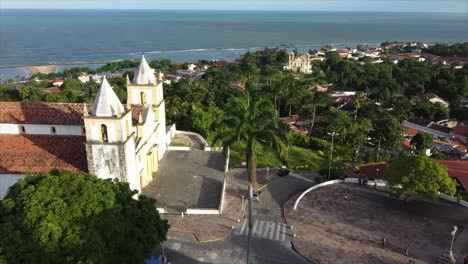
column 378, row 149
column 333, row 134
column 249, row 238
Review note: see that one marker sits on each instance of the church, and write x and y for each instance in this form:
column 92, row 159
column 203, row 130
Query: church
column 107, row 139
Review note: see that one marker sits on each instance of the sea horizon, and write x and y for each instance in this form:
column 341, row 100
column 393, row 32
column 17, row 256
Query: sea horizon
column 56, row 36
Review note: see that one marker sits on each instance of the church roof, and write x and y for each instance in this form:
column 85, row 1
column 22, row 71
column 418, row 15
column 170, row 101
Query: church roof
column 49, row 113
column 106, row 104
column 28, row 153
column 144, row 75
column 41, row 113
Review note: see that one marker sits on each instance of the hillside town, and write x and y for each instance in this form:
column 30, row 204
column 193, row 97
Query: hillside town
column 212, row 155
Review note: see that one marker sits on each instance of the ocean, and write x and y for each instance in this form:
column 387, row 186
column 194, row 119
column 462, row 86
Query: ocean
column 30, row 37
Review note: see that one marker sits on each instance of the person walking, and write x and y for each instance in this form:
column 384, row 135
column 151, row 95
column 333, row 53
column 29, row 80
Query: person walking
column 465, row 261
column 383, row 241
column 407, row 250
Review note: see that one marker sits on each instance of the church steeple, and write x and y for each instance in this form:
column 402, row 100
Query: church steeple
column 144, row 75
column 106, row 104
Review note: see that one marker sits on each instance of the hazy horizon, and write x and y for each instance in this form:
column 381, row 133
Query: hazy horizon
column 407, row 6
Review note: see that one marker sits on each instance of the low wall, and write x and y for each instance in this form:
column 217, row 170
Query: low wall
column 178, row 148
column 380, row 183
column 170, row 134
column 202, row 211
column 221, row 203
column 206, row 146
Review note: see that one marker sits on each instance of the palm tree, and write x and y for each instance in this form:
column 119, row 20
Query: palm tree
column 256, row 124
column 313, row 100
column 359, row 98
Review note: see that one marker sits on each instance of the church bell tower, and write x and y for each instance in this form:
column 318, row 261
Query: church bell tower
column 110, row 140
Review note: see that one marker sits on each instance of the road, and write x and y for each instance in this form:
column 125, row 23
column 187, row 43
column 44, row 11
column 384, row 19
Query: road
column 271, row 239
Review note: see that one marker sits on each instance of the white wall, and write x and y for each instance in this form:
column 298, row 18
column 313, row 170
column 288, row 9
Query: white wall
column 6, row 181
column 32, row 129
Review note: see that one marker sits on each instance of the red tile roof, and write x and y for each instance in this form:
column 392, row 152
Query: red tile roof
column 406, row 145
column 22, row 154
column 462, row 131
column 428, row 96
column 41, row 113
column 290, row 119
column 457, row 169
column 48, row 113
column 370, row 171
column 411, row 132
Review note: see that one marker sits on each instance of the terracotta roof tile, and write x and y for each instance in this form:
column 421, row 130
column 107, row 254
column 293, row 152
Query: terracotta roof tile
column 21, row 154
column 48, row 113
column 457, row 169
column 462, row 131
column 411, row 132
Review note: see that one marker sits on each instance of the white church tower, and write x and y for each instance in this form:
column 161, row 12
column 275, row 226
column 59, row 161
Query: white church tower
column 147, row 90
column 110, row 141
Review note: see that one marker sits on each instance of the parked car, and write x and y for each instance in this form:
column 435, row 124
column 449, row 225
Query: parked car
column 283, row 172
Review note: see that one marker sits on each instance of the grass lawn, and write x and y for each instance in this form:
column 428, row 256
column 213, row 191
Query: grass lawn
column 178, row 144
column 298, row 158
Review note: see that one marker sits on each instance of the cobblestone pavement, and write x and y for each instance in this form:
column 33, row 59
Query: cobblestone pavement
column 271, row 242
column 347, row 222
column 192, row 179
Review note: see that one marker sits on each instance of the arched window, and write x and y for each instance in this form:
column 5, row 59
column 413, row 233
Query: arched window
column 143, row 98
column 104, row 137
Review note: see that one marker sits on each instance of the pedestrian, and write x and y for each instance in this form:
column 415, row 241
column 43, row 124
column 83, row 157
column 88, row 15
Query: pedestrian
column 347, row 191
column 466, row 260
column 407, row 250
column 383, row 241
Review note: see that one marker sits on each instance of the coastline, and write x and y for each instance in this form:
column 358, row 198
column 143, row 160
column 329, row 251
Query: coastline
column 40, row 69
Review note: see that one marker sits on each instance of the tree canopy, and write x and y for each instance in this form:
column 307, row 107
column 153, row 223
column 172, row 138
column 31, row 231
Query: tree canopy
column 421, row 142
column 417, row 174
column 67, row 217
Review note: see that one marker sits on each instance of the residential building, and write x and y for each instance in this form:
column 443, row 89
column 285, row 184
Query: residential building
column 433, row 98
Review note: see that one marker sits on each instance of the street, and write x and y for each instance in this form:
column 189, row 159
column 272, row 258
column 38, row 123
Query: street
column 271, row 236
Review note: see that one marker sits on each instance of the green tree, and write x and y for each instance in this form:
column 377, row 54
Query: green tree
column 67, row 217
column 421, row 142
column 409, row 175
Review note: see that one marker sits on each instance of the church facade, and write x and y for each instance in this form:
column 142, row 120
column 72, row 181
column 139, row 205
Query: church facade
column 299, row 64
column 106, row 138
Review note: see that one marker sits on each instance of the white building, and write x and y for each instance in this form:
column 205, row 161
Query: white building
column 107, row 139
column 300, row 64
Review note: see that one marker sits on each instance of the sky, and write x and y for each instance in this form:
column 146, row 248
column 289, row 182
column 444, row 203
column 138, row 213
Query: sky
column 458, row 6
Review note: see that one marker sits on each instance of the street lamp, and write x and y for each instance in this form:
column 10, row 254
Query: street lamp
column 333, row 134
column 454, row 231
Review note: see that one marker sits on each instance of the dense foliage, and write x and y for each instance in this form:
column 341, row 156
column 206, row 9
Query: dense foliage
column 421, row 142
column 66, row 217
column 418, row 174
column 457, row 49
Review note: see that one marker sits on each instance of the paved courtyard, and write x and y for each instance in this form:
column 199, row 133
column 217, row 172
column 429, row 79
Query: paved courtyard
column 188, row 178
column 332, row 229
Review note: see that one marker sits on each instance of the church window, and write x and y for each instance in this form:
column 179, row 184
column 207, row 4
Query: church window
column 23, row 129
column 143, row 98
column 104, row 136
column 53, row 130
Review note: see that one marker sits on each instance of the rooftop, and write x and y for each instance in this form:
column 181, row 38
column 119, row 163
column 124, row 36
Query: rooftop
column 22, row 154
column 48, row 113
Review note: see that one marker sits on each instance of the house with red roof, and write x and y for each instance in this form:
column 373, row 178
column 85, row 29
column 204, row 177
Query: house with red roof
column 433, row 98
column 456, row 169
